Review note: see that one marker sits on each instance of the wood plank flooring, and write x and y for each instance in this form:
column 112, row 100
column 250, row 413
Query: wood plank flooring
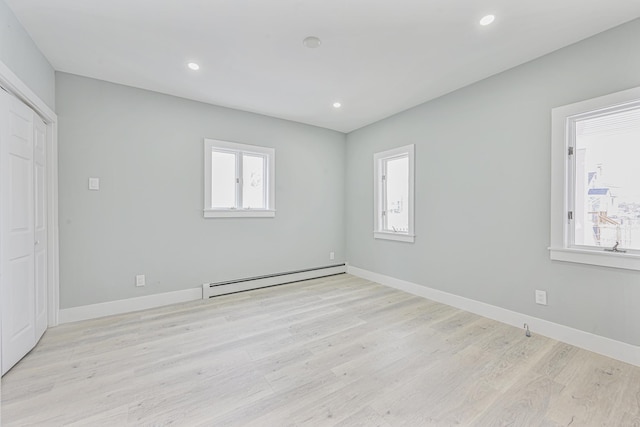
column 339, row 351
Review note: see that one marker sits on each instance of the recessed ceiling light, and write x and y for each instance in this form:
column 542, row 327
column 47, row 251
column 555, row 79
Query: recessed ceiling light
column 312, row 42
column 337, row 105
column 487, row 20
column 193, row 66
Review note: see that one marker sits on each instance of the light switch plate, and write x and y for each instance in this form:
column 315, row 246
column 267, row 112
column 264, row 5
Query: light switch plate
column 94, row 183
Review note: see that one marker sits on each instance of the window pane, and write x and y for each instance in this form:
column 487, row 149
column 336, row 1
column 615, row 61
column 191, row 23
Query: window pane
column 223, row 180
column 253, row 182
column 397, row 194
column 607, row 183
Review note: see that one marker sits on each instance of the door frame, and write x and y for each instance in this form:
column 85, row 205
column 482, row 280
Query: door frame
column 15, row 86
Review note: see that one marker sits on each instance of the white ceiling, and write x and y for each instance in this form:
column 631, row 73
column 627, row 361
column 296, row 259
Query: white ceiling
column 377, row 57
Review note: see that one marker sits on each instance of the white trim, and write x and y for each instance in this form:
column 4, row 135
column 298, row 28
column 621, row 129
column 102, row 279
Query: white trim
column 209, row 291
column 94, row 311
column 239, row 213
column 16, row 86
column 110, row 308
column 561, row 170
column 598, row 344
column 400, row 237
column 53, row 257
column 606, row 259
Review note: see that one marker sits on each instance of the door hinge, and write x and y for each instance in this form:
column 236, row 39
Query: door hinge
column 571, row 151
column 570, row 215
column 384, row 177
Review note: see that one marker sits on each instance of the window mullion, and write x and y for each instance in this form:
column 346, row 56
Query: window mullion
column 239, row 159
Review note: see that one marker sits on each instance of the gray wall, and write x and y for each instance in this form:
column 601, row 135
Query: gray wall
column 22, row 56
column 483, row 191
column 147, row 150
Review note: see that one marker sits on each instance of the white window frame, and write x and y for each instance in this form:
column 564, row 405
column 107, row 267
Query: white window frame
column 378, row 167
column 562, row 179
column 211, row 145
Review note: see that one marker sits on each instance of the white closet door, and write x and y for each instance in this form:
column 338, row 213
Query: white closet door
column 17, row 290
column 40, row 217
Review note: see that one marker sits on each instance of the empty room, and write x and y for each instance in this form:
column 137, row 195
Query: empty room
column 319, row 213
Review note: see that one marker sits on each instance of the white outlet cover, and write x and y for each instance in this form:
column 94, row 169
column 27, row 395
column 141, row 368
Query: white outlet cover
column 541, row 297
column 94, row 183
column 140, row 280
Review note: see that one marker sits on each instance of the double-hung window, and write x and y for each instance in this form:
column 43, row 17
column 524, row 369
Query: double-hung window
column 595, row 205
column 239, row 180
column 394, row 194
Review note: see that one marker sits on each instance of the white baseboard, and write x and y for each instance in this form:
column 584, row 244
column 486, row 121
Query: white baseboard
column 598, row 344
column 94, row 311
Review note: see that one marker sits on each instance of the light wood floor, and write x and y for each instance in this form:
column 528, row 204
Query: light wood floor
column 340, row 351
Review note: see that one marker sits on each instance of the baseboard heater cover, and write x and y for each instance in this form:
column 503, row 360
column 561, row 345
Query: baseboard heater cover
column 210, row 290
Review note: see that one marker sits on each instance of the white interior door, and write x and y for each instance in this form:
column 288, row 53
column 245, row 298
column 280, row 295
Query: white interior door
column 40, row 218
column 17, row 290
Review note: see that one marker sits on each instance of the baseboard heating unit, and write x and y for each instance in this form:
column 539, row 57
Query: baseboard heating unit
column 210, row 290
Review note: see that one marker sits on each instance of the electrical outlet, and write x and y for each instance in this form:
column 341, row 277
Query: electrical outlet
column 332, row 255
column 140, row 280
column 94, row 184
column 541, row 297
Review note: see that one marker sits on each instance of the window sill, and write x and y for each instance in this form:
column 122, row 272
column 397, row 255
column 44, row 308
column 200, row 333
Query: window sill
column 239, row 213
column 399, row 237
column 625, row 261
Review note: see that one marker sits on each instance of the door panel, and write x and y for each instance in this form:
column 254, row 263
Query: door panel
column 17, row 289
column 21, row 272
column 20, row 169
